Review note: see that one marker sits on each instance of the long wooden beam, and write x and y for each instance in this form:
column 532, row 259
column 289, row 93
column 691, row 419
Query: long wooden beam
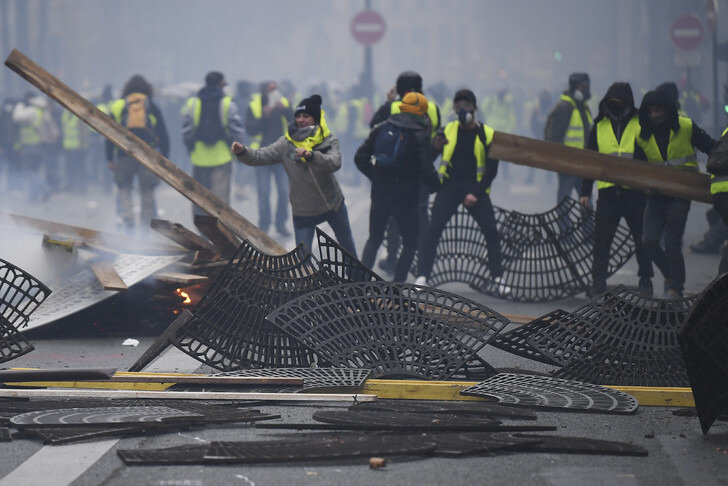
column 140, row 151
column 592, row 165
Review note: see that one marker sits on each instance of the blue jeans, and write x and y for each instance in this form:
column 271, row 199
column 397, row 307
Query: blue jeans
column 304, row 227
column 263, row 175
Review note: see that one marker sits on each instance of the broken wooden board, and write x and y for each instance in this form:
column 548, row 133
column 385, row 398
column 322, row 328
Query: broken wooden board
column 107, row 276
column 181, row 235
column 636, row 174
column 181, row 279
column 224, row 241
column 140, row 151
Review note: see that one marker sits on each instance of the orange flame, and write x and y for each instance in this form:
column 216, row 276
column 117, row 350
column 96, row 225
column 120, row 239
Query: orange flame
column 185, row 295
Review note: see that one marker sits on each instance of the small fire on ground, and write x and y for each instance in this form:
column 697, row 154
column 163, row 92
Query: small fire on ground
column 184, row 295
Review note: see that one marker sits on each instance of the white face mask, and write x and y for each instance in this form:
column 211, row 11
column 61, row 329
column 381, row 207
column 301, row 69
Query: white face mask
column 578, row 95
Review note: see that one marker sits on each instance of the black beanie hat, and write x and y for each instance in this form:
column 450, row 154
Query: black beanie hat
column 214, row 78
column 465, row 95
column 310, row 106
column 576, row 79
column 408, row 81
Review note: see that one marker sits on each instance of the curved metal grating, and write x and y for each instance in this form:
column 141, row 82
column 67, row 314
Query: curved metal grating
column 552, row 393
column 517, row 341
column 71, row 417
column 545, row 256
column 704, row 343
column 392, row 329
column 477, row 409
column 572, row 445
column 312, row 377
column 337, row 260
column 12, row 342
column 364, row 419
column 229, row 330
column 20, row 294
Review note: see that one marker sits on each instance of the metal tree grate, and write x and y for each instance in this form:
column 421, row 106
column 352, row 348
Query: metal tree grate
column 455, row 444
column 517, row 342
column 5, row 435
column 20, row 294
column 609, row 365
column 545, row 256
column 704, row 343
column 12, row 342
column 392, row 329
column 70, row 417
column 363, row 419
column 229, row 330
column 337, row 260
column 283, row 451
column 573, row 445
column 312, row 377
column 552, row 393
column 477, row 409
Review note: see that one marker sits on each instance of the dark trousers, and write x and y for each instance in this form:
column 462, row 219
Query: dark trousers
column 446, row 204
column 216, row 179
column 615, row 203
column 393, row 239
column 720, row 203
column 406, row 219
column 668, row 215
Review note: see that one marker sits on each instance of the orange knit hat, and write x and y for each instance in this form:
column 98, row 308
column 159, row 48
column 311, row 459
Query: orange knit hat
column 415, row 103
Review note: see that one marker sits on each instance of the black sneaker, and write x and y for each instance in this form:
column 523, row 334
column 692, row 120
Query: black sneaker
column 645, row 287
column 386, row 264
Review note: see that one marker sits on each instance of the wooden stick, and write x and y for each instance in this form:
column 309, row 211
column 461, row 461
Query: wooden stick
column 225, row 242
column 636, row 174
column 183, row 279
column 185, row 395
column 140, row 151
column 181, row 235
column 107, row 276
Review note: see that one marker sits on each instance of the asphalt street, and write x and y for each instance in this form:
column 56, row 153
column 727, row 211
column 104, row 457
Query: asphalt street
column 678, row 452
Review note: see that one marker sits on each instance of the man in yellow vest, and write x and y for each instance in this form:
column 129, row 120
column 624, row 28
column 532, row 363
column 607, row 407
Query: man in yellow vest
column 466, row 173
column 615, row 132
column 29, row 116
column 569, row 124
column 75, row 142
column 668, row 139
column 718, row 168
column 499, row 113
column 210, row 125
column 265, row 121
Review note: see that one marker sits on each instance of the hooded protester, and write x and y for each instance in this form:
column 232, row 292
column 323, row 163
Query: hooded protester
column 717, row 166
column 309, row 153
column 211, row 123
column 467, row 174
column 668, row 139
column 569, row 124
column 396, row 156
column 615, row 132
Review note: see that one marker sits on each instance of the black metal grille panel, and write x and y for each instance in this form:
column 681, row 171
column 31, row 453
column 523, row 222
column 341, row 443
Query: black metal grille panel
column 545, row 256
column 552, row 393
column 609, row 365
column 312, row 377
column 337, row 260
column 392, row 329
column 12, row 342
column 517, row 341
column 5, row 434
column 20, row 294
column 454, row 444
column 107, row 415
column 282, row 451
column 573, row 445
column 363, row 419
column 704, row 343
column 229, row 330
column 477, row 409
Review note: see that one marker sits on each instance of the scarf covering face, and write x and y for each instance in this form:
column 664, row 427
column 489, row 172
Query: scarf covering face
column 299, row 138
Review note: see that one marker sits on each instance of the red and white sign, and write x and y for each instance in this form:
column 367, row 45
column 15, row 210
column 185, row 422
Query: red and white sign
column 687, row 32
column 711, row 15
column 368, row 27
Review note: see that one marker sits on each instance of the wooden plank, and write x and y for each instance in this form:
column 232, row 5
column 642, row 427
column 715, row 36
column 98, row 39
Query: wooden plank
column 186, row 395
column 518, row 319
column 183, row 279
column 94, row 239
column 170, row 380
column 592, row 165
column 140, row 151
column 181, row 235
column 107, row 276
column 225, row 242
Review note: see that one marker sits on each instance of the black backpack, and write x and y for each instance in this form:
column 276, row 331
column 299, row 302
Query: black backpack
column 211, row 130
column 390, row 146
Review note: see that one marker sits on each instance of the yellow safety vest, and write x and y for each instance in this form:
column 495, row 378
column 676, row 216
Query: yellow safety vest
column 680, row 150
column 256, row 107
column 607, row 142
column 575, row 133
column 499, row 114
column 361, row 124
column 71, row 128
column 451, row 133
column 30, row 134
column 431, row 114
column 204, row 155
column 719, row 184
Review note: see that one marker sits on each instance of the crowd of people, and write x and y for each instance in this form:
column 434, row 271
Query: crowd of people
column 304, row 143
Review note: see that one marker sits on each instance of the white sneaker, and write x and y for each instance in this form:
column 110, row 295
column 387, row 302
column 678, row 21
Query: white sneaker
column 421, row 281
column 503, row 289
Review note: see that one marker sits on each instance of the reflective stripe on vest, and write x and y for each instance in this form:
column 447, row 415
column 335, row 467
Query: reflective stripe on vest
column 431, row 114
column 30, row 134
column 204, row 155
column 451, row 133
column 256, row 108
column 680, row 150
column 71, row 128
column 607, row 142
column 575, row 133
